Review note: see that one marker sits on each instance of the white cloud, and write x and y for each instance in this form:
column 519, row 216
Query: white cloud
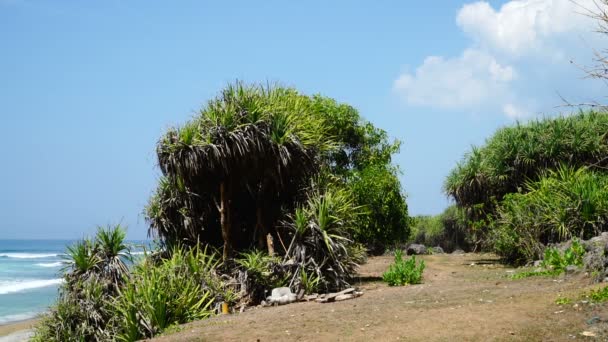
column 524, row 26
column 464, row 82
column 514, row 112
column 538, row 38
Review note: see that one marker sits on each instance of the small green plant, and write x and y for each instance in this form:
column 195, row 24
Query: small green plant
column 309, row 282
column 599, row 295
column 557, row 261
column 403, row 272
column 563, row 301
column 527, row 274
column 554, row 262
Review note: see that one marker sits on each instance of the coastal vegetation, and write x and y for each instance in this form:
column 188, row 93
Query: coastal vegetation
column 265, row 187
column 534, row 184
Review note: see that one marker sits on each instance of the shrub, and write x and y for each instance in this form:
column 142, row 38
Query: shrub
column 555, row 262
column 321, row 243
column 599, row 295
column 260, row 273
column 95, row 270
column 403, row 272
column 385, row 218
column 567, row 202
column 102, row 300
column 158, row 297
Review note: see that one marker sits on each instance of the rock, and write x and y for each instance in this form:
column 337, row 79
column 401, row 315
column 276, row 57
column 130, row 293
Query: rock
column 416, row 249
column 598, row 242
column 458, row 251
column 537, row 263
column 571, row 269
column 588, row 334
column 281, row 295
column 437, row 250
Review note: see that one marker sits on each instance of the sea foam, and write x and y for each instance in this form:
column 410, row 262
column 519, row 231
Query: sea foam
column 18, row 286
column 50, row 264
column 28, row 255
column 18, row 317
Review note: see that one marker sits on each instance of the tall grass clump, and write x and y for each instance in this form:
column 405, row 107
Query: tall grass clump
column 175, row 291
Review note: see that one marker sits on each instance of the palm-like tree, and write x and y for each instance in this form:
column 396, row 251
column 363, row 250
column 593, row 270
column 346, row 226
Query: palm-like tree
column 243, row 158
column 113, row 252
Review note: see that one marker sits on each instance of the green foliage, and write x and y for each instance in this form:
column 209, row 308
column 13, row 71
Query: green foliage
column 563, row 301
column 447, row 230
column 599, row 295
column 320, row 232
column 160, row 296
column 95, row 270
column 265, row 144
column 492, row 181
column 555, row 262
column 384, row 220
column 427, row 230
column 263, row 273
column 403, row 272
column 95, row 305
column 565, row 203
column 516, row 154
column 309, row 282
column 542, row 273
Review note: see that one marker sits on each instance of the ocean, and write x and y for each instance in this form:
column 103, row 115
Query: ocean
column 30, row 275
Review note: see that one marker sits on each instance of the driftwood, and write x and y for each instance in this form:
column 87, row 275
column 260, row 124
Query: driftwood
column 349, row 293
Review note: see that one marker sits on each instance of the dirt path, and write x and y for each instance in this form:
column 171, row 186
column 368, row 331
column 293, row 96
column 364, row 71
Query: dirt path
column 463, row 298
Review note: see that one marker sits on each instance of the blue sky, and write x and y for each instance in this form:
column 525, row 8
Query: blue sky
column 87, row 88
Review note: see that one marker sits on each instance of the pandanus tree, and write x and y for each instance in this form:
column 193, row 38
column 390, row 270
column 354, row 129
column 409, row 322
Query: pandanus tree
column 236, row 166
column 520, row 153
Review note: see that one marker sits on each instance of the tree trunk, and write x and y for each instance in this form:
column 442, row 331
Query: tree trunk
column 225, row 220
column 260, row 228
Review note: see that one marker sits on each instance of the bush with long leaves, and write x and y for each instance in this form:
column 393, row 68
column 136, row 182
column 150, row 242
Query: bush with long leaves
column 563, row 204
column 320, row 244
column 157, row 297
column 94, row 272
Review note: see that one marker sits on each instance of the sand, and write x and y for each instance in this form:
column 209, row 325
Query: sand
column 17, row 331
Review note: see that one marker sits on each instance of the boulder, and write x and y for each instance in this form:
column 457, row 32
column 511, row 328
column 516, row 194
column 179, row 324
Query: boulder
column 458, row 251
column 415, row 249
column 572, row 269
column 437, row 250
column 598, row 242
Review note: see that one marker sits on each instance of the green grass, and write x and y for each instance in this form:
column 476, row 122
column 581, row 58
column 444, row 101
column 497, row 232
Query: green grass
column 599, row 295
column 563, row 301
column 527, row 274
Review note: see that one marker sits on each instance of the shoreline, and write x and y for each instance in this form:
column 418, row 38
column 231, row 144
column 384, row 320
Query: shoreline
column 9, row 328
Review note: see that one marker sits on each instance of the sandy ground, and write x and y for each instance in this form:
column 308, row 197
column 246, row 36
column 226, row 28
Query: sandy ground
column 18, row 331
column 464, row 298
